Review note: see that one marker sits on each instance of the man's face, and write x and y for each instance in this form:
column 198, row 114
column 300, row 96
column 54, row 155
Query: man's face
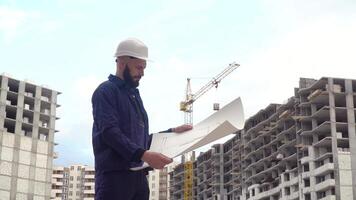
column 134, row 70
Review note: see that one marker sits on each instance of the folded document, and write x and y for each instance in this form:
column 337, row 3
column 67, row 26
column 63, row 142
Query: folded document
column 226, row 121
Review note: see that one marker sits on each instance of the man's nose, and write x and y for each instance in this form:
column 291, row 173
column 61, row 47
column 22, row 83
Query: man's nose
column 142, row 72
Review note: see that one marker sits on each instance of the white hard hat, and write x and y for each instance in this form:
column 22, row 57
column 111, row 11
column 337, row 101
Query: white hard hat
column 132, row 47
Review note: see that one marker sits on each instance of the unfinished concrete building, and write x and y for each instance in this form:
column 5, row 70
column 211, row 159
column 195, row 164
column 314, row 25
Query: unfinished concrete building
column 27, row 127
column 159, row 182
column 269, row 157
column 303, row 149
column 209, row 174
column 181, row 178
column 60, row 183
column 326, row 140
column 88, row 183
column 73, row 182
column 233, row 166
column 176, row 189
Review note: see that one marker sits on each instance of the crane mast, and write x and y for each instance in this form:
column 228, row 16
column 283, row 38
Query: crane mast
column 187, row 105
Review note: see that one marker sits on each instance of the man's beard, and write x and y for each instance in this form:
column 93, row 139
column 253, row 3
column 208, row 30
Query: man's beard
column 128, row 78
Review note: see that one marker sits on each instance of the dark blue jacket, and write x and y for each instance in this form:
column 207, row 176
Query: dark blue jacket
column 120, row 129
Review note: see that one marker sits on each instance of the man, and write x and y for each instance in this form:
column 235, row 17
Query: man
column 120, row 129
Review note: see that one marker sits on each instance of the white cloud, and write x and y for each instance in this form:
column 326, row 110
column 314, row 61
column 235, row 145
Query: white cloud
column 81, row 92
column 303, row 10
column 85, row 86
column 172, row 19
column 173, row 11
column 322, row 46
column 10, row 20
column 76, row 116
column 325, row 46
column 16, row 22
column 76, row 122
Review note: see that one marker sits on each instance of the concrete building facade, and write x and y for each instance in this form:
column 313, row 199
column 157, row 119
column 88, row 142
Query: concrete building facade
column 88, row 183
column 303, row 149
column 76, row 182
column 208, row 174
column 27, row 127
column 182, row 181
column 60, row 183
column 176, row 189
column 159, row 182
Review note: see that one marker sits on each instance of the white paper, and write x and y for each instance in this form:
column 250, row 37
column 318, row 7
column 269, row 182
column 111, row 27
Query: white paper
column 226, row 121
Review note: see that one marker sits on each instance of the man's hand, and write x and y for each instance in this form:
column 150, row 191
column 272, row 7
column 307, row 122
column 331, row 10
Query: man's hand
column 156, row 160
column 182, row 128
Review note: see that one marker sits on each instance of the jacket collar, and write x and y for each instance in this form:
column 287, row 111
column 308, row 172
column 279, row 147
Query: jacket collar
column 120, row 83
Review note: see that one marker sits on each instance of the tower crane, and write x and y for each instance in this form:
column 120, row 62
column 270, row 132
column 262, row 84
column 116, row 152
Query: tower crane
column 187, row 105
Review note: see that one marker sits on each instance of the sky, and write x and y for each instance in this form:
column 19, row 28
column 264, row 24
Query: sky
column 68, row 45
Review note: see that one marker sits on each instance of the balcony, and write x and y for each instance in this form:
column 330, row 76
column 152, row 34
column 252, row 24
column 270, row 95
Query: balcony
column 293, row 196
column 325, row 142
column 307, row 190
column 91, row 176
column 306, row 174
column 329, row 197
column 325, row 185
column 59, row 184
column 292, row 181
column 57, row 175
column 89, row 184
column 305, row 159
column 89, row 191
column 56, row 191
column 324, row 156
column 324, row 169
column 268, row 193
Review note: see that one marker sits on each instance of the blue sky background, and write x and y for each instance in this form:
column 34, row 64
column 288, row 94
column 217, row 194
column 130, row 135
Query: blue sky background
column 69, row 45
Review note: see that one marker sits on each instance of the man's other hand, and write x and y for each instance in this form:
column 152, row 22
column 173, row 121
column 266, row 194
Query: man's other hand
column 156, row 160
column 182, row 128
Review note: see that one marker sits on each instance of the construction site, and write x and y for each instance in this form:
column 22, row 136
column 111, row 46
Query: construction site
column 302, row 149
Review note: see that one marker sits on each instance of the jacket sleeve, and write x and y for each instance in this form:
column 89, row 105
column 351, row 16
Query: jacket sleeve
column 107, row 119
column 170, row 130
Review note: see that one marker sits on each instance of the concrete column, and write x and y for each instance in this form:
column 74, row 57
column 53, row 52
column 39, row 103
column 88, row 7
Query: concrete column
column 3, row 90
column 52, row 111
column 2, row 116
column 311, row 152
column 221, row 163
column 350, row 105
column 52, row 122
column 314, row 122
column 18, row 129
column 334, row 138
column 20, row 106
column 53, row 98
column 3, row 94
column 36, row 116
